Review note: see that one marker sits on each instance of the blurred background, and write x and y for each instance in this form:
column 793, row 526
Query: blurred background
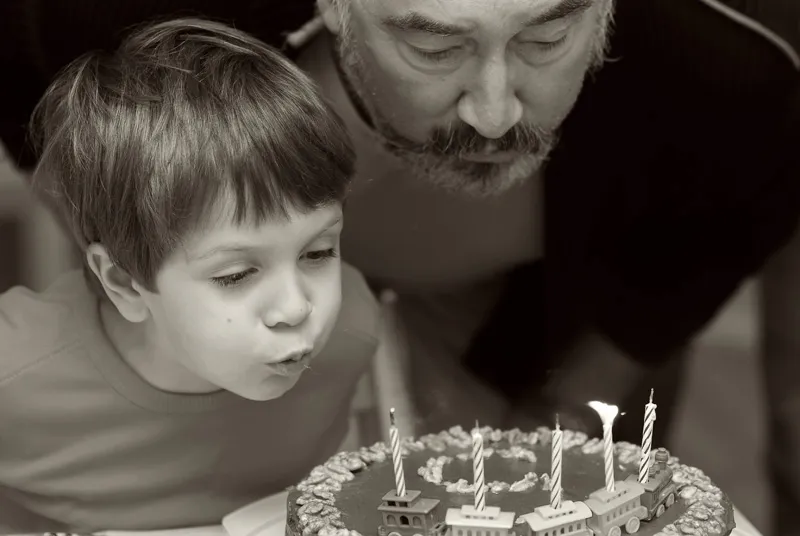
column 34, row 251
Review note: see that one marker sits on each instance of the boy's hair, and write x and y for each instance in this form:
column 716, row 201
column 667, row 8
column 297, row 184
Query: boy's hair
column 136, row 146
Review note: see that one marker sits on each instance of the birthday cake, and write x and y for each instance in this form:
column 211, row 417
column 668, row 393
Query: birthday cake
column 507, row 483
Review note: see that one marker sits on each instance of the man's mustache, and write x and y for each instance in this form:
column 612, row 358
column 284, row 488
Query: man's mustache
column 465, row 140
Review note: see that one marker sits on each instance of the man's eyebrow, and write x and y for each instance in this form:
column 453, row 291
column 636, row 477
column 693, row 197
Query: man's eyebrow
column 562, row 10
column 416, row 22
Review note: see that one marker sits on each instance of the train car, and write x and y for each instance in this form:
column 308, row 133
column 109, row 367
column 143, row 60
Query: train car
column 660, row 491
column 467, row 521
column 407, row 515
column 569, row 520
column 613, row 510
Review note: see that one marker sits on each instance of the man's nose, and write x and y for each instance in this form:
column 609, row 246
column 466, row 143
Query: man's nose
column 490, row 104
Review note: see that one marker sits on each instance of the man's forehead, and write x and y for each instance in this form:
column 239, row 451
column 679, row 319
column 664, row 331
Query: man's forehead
column 466, row 15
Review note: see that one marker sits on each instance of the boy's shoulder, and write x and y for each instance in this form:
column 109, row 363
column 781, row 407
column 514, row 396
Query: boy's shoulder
column 36, row 325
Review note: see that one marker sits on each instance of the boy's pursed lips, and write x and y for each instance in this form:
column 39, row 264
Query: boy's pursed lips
column 291, row 364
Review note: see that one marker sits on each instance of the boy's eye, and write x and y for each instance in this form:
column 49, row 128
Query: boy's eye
column 233, row 279
column 322, row 255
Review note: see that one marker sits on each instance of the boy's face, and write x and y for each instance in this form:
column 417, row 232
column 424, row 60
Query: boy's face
column 233, row 302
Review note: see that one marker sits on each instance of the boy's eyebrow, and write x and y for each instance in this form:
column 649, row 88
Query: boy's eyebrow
column 227, row 248
column 416, row 22
column 245, row 248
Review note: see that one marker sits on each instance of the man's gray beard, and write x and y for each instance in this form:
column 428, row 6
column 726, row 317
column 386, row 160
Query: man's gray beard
column 449, row 172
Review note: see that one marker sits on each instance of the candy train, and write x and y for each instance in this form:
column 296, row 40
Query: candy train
column 608, row 514
column 603, row 513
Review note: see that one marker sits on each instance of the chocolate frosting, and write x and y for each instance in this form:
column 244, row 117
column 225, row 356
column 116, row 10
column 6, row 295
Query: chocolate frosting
column 342, row 496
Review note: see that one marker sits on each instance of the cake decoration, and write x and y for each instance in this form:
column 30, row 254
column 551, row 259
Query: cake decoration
column 342, row 497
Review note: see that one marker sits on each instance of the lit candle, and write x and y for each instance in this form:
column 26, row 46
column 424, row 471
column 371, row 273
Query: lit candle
column 477, row 469
column 555, row 468
column 397, row 457
column 647, row 439
column 607, row 414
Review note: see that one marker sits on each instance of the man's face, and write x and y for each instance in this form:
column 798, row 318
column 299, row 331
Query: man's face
column 469, row 92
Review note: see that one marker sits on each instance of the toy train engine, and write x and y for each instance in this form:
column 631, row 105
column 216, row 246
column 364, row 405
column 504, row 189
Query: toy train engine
column 407, row 515
column 659, row 490
column 467, row 521
column 569, row 520
column 613, row 510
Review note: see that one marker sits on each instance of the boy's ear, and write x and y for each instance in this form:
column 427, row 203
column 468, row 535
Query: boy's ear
column 330, row 14
column 120, row 287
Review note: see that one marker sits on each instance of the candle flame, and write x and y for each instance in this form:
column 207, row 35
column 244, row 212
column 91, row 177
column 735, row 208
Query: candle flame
column 607, row 412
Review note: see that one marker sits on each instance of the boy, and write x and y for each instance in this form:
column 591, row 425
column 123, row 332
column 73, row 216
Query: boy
column 204, row 178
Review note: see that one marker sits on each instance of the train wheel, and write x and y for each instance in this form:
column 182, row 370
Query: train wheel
column 632, row 525
column 614, row 531
column 670, row 500
column 659, row 511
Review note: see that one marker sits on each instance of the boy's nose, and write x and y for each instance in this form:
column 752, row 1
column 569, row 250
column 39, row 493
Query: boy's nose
column 288, row 316
column 289, row 307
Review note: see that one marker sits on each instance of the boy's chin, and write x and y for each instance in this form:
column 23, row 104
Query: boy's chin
column 270, row 389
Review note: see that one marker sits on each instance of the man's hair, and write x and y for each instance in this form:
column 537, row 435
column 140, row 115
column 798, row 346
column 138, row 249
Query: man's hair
column 137, row 146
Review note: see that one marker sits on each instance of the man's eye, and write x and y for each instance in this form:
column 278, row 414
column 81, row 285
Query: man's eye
column 437, row 55
column 547, row 46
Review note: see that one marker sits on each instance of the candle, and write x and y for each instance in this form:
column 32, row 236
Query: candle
column 397, row 457
column 607, row 414
column 647, row 439
column 555, row 468
column 477, row 469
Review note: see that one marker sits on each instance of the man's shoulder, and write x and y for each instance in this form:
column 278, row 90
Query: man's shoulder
column 749, row 42
column 699, row 77
column 36, row 325
column 777, row 21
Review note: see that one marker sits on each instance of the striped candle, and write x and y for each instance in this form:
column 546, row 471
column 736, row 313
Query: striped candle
column 397, row 457
column 555, row 468
column 607, row 414
column 647, row 440
column 477, row 469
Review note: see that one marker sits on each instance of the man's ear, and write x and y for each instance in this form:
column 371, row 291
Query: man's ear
column 120, row 287
column 330, row 15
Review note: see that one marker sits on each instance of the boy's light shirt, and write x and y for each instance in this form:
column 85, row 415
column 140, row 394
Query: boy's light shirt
column 64, row 396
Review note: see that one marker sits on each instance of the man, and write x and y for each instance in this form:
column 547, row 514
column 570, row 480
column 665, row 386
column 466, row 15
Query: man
column 650, row 223
column 561, row 193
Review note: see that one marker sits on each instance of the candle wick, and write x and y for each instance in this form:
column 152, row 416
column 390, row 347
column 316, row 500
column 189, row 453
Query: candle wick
column 558, row 424
column 391, row 416
column 651, row 395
